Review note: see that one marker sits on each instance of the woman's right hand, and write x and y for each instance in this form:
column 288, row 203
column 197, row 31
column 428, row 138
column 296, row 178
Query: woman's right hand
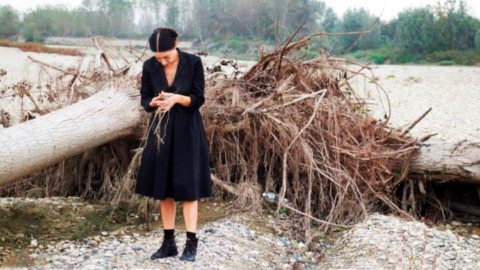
column 155, row 102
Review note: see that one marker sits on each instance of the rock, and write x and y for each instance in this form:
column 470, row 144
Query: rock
column 34, row 243
column 476, row 231
column 456, row 223
column 92, row 242
column 251, row 235
column 209, row 230
column 104, row 233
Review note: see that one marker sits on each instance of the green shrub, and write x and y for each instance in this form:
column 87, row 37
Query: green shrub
column 406, row 59
column 458, row 57
column 237, row 44
column 447, row 63
column 377, row 58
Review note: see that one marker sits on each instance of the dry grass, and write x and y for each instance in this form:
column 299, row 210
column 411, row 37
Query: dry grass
column 39, row 48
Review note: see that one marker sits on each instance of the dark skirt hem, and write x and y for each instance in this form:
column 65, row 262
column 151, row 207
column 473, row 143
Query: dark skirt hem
column 177, row 199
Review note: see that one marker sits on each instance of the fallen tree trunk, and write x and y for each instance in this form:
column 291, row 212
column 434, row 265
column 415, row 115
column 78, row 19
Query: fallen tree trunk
column 447, row 162
column 49, row 139
column 112, row 114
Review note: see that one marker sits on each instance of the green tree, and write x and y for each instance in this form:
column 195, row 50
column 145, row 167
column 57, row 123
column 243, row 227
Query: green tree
column 116, row 16
column 9, row 22
column 172, row 14
column 415, row 30
column 454, row 28
column 359, row 20
column 38, row 24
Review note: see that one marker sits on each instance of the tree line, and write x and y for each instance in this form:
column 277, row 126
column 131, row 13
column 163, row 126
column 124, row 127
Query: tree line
column 445, row 26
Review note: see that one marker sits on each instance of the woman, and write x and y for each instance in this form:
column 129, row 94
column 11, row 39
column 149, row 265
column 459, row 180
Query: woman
column 178, row 170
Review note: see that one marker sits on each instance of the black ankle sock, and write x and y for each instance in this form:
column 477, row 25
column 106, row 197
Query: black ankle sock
column 191, row 236
column 168, row 234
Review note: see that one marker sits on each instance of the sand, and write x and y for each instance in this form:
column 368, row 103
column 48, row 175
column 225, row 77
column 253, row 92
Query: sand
column 452, row 92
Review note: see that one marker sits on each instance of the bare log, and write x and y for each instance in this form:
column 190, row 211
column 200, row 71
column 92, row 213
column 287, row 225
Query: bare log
column 445, row 162
column 112, row 114
column 49, row 139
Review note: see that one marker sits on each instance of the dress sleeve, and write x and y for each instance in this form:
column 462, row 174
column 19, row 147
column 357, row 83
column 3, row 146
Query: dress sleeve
column 146, row 90
column 198, row 87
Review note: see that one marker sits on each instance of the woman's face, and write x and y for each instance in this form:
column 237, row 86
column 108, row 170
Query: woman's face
column 167, row 58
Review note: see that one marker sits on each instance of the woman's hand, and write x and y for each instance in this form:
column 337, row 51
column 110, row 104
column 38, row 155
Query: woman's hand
column 154, row 102
column 165, row 101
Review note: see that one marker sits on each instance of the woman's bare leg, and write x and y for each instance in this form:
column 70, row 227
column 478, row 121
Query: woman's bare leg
column 190, row 214
column 168, row 209
column 169, row 248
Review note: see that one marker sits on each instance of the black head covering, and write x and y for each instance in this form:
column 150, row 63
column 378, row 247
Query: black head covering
column 162, row 39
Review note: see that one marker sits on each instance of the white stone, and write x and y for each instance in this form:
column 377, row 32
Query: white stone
column 34, row 243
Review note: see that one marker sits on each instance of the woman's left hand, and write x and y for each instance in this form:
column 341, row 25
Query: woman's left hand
column 167, row 102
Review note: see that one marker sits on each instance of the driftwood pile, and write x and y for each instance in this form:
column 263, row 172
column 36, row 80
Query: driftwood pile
column 288, row 126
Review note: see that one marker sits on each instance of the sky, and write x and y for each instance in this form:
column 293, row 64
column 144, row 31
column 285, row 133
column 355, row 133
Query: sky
column 386, row 9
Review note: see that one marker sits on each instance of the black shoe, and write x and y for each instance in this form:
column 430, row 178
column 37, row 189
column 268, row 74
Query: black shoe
column 168, row 249
column 190, row 250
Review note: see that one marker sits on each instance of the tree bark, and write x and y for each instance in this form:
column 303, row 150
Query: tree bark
column 446, row 162
column 51, row 138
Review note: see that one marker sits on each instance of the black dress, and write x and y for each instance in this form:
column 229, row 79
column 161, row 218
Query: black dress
column 180, row 168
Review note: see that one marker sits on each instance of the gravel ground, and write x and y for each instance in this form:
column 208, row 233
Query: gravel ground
column 225, row 244
column 237, row 242
column 384, row 242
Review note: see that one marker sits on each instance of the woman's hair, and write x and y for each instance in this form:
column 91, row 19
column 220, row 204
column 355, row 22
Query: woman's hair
column 162, row 39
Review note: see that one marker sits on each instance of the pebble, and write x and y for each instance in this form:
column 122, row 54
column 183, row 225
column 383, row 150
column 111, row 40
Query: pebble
column 34, row 243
